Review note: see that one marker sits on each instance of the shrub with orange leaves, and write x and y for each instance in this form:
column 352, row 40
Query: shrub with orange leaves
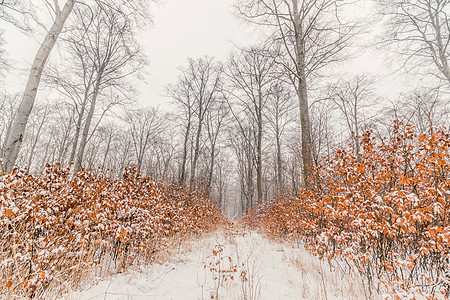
column 387, row 210
column 56, row 227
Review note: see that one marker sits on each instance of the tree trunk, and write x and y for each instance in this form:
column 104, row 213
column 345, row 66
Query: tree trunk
column 305, row 123
column 196, row 151
column 79, row 123
column 15, row 138
column 249, row 185
column 106, row 151
column 65, row 144
column 185, row 149
column 279, row 161
column 211, row 169
column 356, row 133
column 249, row 175
column 87, row 124
column 33, row 146
column 259, row 154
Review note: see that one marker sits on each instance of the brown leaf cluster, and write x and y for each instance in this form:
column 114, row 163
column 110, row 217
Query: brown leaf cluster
column 54, row 228
column 385, row 211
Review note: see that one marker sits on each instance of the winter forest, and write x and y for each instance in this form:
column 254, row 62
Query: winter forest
column 310, row 161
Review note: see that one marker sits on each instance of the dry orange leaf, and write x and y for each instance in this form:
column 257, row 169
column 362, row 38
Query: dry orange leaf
column 41, row 274
column 9, row 212
column 8, row 283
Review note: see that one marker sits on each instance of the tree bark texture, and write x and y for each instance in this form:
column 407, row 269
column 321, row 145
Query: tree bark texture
column 15, row 137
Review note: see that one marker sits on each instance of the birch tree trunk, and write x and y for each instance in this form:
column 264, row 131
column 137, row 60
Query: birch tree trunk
column 15, row 137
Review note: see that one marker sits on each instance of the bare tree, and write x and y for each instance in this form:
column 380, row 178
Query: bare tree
column 163, row 154
column 72, row 83
column 425, row 108
column 42, row 114
column 224, row 171
column 108, row 53
column 312, row 35
column 243, row 145
column 198, row 88
column 206, row 84
column 420, row 31
column 60, row 15
column 353, row 97
column 326, row 131
column 251, row 76
column 183, row 99
column 215, row 122
column 279, row 116
column 15, row 137
column 62, row 126
column 145, row 126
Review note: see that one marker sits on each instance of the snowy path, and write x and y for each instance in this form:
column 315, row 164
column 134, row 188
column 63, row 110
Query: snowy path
column 251, row 267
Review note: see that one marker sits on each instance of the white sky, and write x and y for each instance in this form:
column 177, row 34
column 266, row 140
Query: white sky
column 184, row 29
column 181, row 29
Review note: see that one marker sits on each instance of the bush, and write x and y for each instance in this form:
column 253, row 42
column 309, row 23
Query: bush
column 386, row 210
column 55, row 228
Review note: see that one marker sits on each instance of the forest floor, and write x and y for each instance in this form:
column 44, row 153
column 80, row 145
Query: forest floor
column 223, row 265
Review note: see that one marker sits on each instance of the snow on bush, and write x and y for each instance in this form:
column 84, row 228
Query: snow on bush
column 56, row 227
column 386, row 210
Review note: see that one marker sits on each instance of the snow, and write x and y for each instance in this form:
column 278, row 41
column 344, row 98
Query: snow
column 223, row 266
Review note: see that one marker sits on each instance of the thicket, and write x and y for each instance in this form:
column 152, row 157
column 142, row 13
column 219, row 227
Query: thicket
column 56, row 228
column 385, row 211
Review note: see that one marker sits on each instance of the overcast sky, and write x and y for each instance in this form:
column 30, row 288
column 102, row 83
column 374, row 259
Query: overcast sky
column 184, row 29
column 181, row 29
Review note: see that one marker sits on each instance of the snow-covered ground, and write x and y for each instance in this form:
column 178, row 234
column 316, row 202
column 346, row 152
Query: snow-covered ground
column 230, row 266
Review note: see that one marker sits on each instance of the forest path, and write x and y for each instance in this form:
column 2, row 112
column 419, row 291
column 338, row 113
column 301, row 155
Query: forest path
column 235, row 266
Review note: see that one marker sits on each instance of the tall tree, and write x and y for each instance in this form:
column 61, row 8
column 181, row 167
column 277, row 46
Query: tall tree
column 215, row 122
column 108, row 53
column 243, row 145
column 279, row 116
column 251, row 76
column 15, row 138
column 198, row 88
column 182, row 97
column 60, row 15
column 312, row 34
